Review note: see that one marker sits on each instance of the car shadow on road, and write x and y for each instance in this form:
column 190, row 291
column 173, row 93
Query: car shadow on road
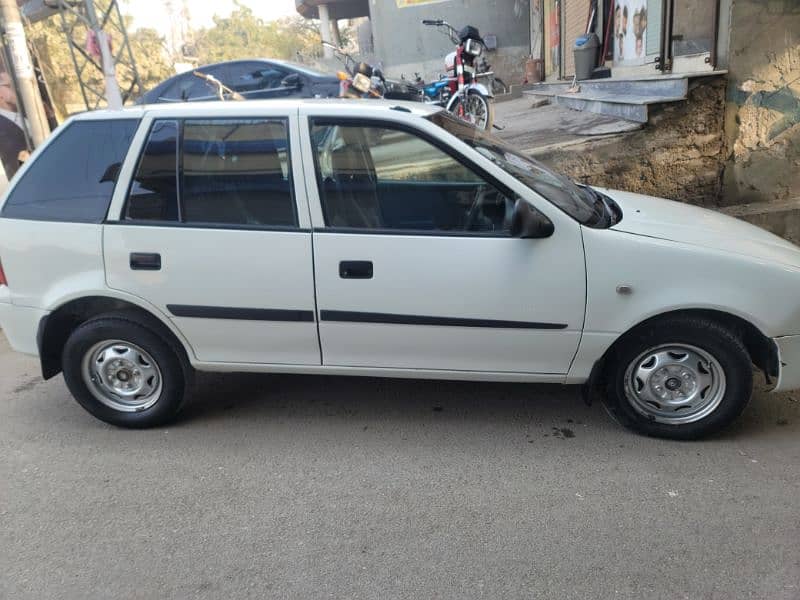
column 257, row 396
column 556, row 410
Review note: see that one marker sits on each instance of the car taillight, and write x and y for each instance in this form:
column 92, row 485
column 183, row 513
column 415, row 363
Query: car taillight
column 2, row 276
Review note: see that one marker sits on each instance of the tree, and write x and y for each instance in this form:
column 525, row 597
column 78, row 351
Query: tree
column 150, row 53
column 244, row 35
column 50, row 45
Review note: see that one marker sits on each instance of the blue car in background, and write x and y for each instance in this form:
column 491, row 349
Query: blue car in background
column 255, row 79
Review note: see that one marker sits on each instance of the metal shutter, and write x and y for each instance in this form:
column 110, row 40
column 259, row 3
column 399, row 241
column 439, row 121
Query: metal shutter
column 576, row 13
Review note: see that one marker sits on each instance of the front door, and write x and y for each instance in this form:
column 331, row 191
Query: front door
column 694, row 35
column 415, row 267
column 211, row 235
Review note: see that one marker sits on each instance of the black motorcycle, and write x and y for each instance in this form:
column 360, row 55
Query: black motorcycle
column 363, row 80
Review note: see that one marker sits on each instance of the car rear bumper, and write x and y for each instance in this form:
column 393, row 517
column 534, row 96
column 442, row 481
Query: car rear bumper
column 789, row 361
column 20, row 324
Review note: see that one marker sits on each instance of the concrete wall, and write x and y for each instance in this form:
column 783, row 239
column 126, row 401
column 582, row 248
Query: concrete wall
column 404, row 45
column 762, row 117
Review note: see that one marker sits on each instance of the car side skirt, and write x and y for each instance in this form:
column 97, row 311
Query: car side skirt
column 511, row 377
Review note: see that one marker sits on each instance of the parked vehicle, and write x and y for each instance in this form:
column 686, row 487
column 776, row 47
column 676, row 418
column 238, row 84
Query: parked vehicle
column 365, row 237
column 438, row 92
column 256, row 79
column 363, row 80
column 359, row 79
column 223, row 92
column 469, row 99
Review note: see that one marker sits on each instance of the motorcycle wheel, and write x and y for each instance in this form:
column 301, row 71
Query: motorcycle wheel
column 478, row 110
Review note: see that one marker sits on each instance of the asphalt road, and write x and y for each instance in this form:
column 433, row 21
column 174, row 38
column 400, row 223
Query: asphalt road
column 329, row 487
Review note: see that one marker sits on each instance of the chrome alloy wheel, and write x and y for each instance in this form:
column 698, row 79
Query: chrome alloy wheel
column 674, row 384
column 122, row 376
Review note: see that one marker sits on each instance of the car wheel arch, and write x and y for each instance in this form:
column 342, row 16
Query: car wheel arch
column 56, row 327
column 761, row 348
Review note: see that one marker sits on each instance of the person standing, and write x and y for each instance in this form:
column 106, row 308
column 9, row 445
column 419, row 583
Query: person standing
column 12, row 135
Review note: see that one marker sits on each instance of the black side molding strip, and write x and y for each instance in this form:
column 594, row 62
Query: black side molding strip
column 240, row 314
column 368, row 317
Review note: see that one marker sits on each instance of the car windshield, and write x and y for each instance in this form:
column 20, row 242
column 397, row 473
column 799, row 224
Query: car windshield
column 582, row 203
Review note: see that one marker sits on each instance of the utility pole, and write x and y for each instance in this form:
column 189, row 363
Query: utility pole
column 113, row 95
column 22, row 67
column 117, row 65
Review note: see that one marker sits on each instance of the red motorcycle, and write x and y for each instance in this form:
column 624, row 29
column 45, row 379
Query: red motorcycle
column 468, row 99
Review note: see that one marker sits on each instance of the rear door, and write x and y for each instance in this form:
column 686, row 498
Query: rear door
column 213, row 231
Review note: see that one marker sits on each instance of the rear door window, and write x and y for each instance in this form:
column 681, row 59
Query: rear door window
column 215, row 172
column 154, row 191
column 237, row 172
column 74, row 178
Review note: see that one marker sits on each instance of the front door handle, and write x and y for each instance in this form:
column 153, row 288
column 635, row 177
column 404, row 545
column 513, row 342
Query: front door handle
column 355, row 269
column 145, row 261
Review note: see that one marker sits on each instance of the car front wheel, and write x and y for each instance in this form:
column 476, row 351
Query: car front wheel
column 679, row 378
column 123, row 372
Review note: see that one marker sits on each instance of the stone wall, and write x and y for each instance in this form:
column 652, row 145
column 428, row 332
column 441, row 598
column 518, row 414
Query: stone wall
column 680, row 154
column 762, row 120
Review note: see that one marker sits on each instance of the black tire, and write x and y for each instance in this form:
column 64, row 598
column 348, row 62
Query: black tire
column 121, row 327
column 487, row 103
column 723, row 345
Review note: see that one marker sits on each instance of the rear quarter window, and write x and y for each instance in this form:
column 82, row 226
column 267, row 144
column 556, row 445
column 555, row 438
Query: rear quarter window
column 74, row 178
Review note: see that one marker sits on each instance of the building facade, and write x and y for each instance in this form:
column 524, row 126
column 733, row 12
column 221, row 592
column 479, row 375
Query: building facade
column 745, row 138
column 405, row 46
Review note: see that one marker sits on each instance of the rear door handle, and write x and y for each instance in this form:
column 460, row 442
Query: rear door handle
column 145, row 261
column 355, row 269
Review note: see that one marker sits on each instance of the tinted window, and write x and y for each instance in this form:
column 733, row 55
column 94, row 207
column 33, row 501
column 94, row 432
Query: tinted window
column 249, row 77
column 237, row 172
column 382, row 178
column 154, row 190
column 74, row 178
column 191, row 87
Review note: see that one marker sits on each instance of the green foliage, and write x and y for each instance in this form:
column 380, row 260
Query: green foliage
column 150, row 54
column 241, row 35
column 50, row 44
column 51, row 47
column 244, row 35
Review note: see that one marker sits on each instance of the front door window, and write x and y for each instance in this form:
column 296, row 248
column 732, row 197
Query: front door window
column 384, row 178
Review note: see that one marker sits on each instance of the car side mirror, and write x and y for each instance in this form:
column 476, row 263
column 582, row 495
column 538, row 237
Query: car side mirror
column 292, row 81
column 527, row 222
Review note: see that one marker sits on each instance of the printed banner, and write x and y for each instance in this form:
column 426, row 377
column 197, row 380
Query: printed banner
column 630, row 31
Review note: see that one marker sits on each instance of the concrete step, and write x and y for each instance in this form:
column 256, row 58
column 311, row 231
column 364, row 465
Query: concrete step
column 621, row 98
column 631, row 107
column 667, row 86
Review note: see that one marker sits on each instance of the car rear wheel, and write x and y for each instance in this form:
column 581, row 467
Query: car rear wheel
column 123, row 372
column 679, row 378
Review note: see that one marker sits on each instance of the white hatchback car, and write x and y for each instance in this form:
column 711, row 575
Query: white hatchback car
column 382, row 239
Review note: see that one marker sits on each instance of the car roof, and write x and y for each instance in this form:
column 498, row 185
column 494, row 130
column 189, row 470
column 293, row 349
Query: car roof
column 330, row 106
column 274, row 61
